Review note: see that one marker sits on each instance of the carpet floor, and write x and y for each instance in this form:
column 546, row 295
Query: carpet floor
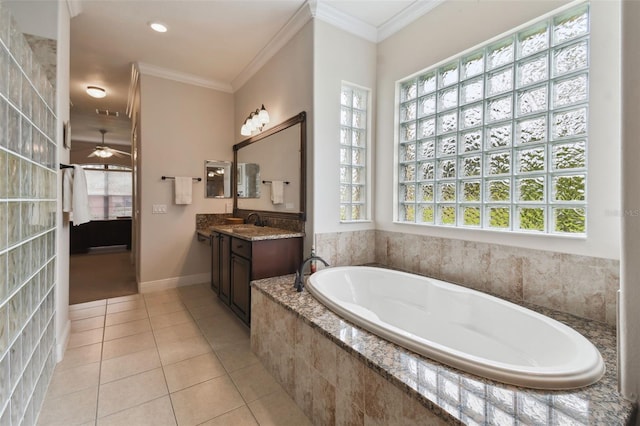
column 101, row 275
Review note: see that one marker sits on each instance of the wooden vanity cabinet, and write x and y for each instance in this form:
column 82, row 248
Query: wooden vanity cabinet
column 220, row 273
column 255, row 260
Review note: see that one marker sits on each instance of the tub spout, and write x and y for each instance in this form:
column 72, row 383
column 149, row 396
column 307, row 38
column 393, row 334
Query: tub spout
column 299, row 282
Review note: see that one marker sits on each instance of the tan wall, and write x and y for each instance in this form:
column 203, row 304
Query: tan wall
column 456, row 26
column 338, row 56
column 181, row 126
column 285, row 86
column 630, row 271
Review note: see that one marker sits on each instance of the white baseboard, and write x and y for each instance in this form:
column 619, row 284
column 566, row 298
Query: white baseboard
column 167, row 283
column 62, row 341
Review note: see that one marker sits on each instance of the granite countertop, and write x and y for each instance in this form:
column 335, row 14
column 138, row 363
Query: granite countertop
column 463, row 398
column 250, row 232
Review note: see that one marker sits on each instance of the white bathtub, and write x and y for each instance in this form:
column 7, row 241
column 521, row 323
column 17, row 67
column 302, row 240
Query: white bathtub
column 460, row 327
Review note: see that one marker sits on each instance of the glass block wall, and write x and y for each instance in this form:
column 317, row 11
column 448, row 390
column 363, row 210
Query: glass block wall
column 27, row 228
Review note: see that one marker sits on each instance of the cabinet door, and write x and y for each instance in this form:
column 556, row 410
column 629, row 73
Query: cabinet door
column 240, row 292
column 225, row 276
column 215, row 262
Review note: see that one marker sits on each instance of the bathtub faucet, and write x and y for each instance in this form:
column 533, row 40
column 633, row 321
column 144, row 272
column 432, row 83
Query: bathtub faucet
column 299, row 282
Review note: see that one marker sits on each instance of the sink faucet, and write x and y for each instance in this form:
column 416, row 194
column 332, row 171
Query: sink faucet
column 258, row 221
column 299, row 282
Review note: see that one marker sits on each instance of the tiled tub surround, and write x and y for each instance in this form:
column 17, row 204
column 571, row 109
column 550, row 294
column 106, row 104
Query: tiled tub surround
column 338, row 373
column 27, row 227
column 579, row 285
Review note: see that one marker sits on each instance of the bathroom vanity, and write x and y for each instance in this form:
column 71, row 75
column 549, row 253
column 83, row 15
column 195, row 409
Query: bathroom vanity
column 243, row 253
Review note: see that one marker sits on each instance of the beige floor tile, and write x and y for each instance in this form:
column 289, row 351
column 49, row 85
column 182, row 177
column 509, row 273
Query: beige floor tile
column 208, row 309
column 193, row 371
column 206, row 298
column 162, row 296
column 167, row 320
column 223, row 330
column 131, row 305
column 254, row 382
column 83, row 355
column 127, row 345
column 72, row 409
column 131, row 391
column 127, row 329
column 177, row 332
column 74, row 379
column 128, row 298
column 172, row 352
column 239, row 417
column 85, row 305
column 278, row 409
column 126, row 316
column 128, row 365
column 78, row 314
column 87, row 324
column 158, row 412
column 165, row 308
column 205, row 401
column 83, row 338
column 237, row 355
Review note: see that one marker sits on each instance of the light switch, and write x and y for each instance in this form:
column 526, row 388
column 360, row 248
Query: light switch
column 159, row 209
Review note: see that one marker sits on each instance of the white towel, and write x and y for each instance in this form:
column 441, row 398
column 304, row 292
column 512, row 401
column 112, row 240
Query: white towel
column 277, row 192
column 75, row 197
column 183, row 189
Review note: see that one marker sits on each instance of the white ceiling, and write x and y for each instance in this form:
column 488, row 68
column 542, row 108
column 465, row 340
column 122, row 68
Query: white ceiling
column 210, row 40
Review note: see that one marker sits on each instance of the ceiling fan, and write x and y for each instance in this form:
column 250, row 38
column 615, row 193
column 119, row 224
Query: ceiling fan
column 104, row 151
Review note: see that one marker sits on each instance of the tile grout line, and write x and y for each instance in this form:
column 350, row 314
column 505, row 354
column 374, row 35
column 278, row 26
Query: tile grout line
column 228, row 373
column 164, row 375
column 104, row 326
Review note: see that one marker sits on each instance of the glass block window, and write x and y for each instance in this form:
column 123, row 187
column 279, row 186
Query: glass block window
column 354, row 146
column 497, row 138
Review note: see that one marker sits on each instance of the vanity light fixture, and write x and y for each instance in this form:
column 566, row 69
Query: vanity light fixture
column 255, row 122
column 158, row 27
column 96, row 92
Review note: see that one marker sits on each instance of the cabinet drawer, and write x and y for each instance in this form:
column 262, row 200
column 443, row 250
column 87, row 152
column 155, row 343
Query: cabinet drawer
column 241, row 247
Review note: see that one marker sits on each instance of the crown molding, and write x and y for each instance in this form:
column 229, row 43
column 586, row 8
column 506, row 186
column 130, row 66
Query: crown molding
column 133, row 87
column 405, row 17
column 74, row 7
column 286, row 33
column 337, row 18
column 156, row 71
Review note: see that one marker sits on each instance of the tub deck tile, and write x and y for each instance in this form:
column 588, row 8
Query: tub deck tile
column 457, row 396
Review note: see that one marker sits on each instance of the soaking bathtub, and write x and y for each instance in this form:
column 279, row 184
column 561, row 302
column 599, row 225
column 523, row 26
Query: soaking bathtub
column 460, row 327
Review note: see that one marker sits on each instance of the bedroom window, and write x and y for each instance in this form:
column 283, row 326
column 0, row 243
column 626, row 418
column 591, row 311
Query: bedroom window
column 109, row 189
column 496, row 138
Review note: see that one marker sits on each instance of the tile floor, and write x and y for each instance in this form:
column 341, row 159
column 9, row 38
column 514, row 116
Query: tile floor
column 173, row 357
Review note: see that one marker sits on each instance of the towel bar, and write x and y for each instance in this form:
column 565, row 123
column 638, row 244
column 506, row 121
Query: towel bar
column 173, row 177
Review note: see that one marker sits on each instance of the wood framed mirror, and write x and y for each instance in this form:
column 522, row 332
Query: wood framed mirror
column 276, row 155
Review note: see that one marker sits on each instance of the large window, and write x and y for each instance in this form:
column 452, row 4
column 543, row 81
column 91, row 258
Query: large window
column 109, row 189
column 354, row 145
column 497, row 137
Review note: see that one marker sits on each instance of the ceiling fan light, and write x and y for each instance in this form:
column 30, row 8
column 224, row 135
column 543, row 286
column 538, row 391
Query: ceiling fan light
column 96, row 92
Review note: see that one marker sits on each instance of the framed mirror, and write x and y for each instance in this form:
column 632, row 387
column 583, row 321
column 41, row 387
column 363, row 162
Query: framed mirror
column 271, row 170
column 218, row 179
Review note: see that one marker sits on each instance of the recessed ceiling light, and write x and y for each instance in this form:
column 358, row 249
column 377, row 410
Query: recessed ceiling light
column 96, row 92
column 157, row 26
